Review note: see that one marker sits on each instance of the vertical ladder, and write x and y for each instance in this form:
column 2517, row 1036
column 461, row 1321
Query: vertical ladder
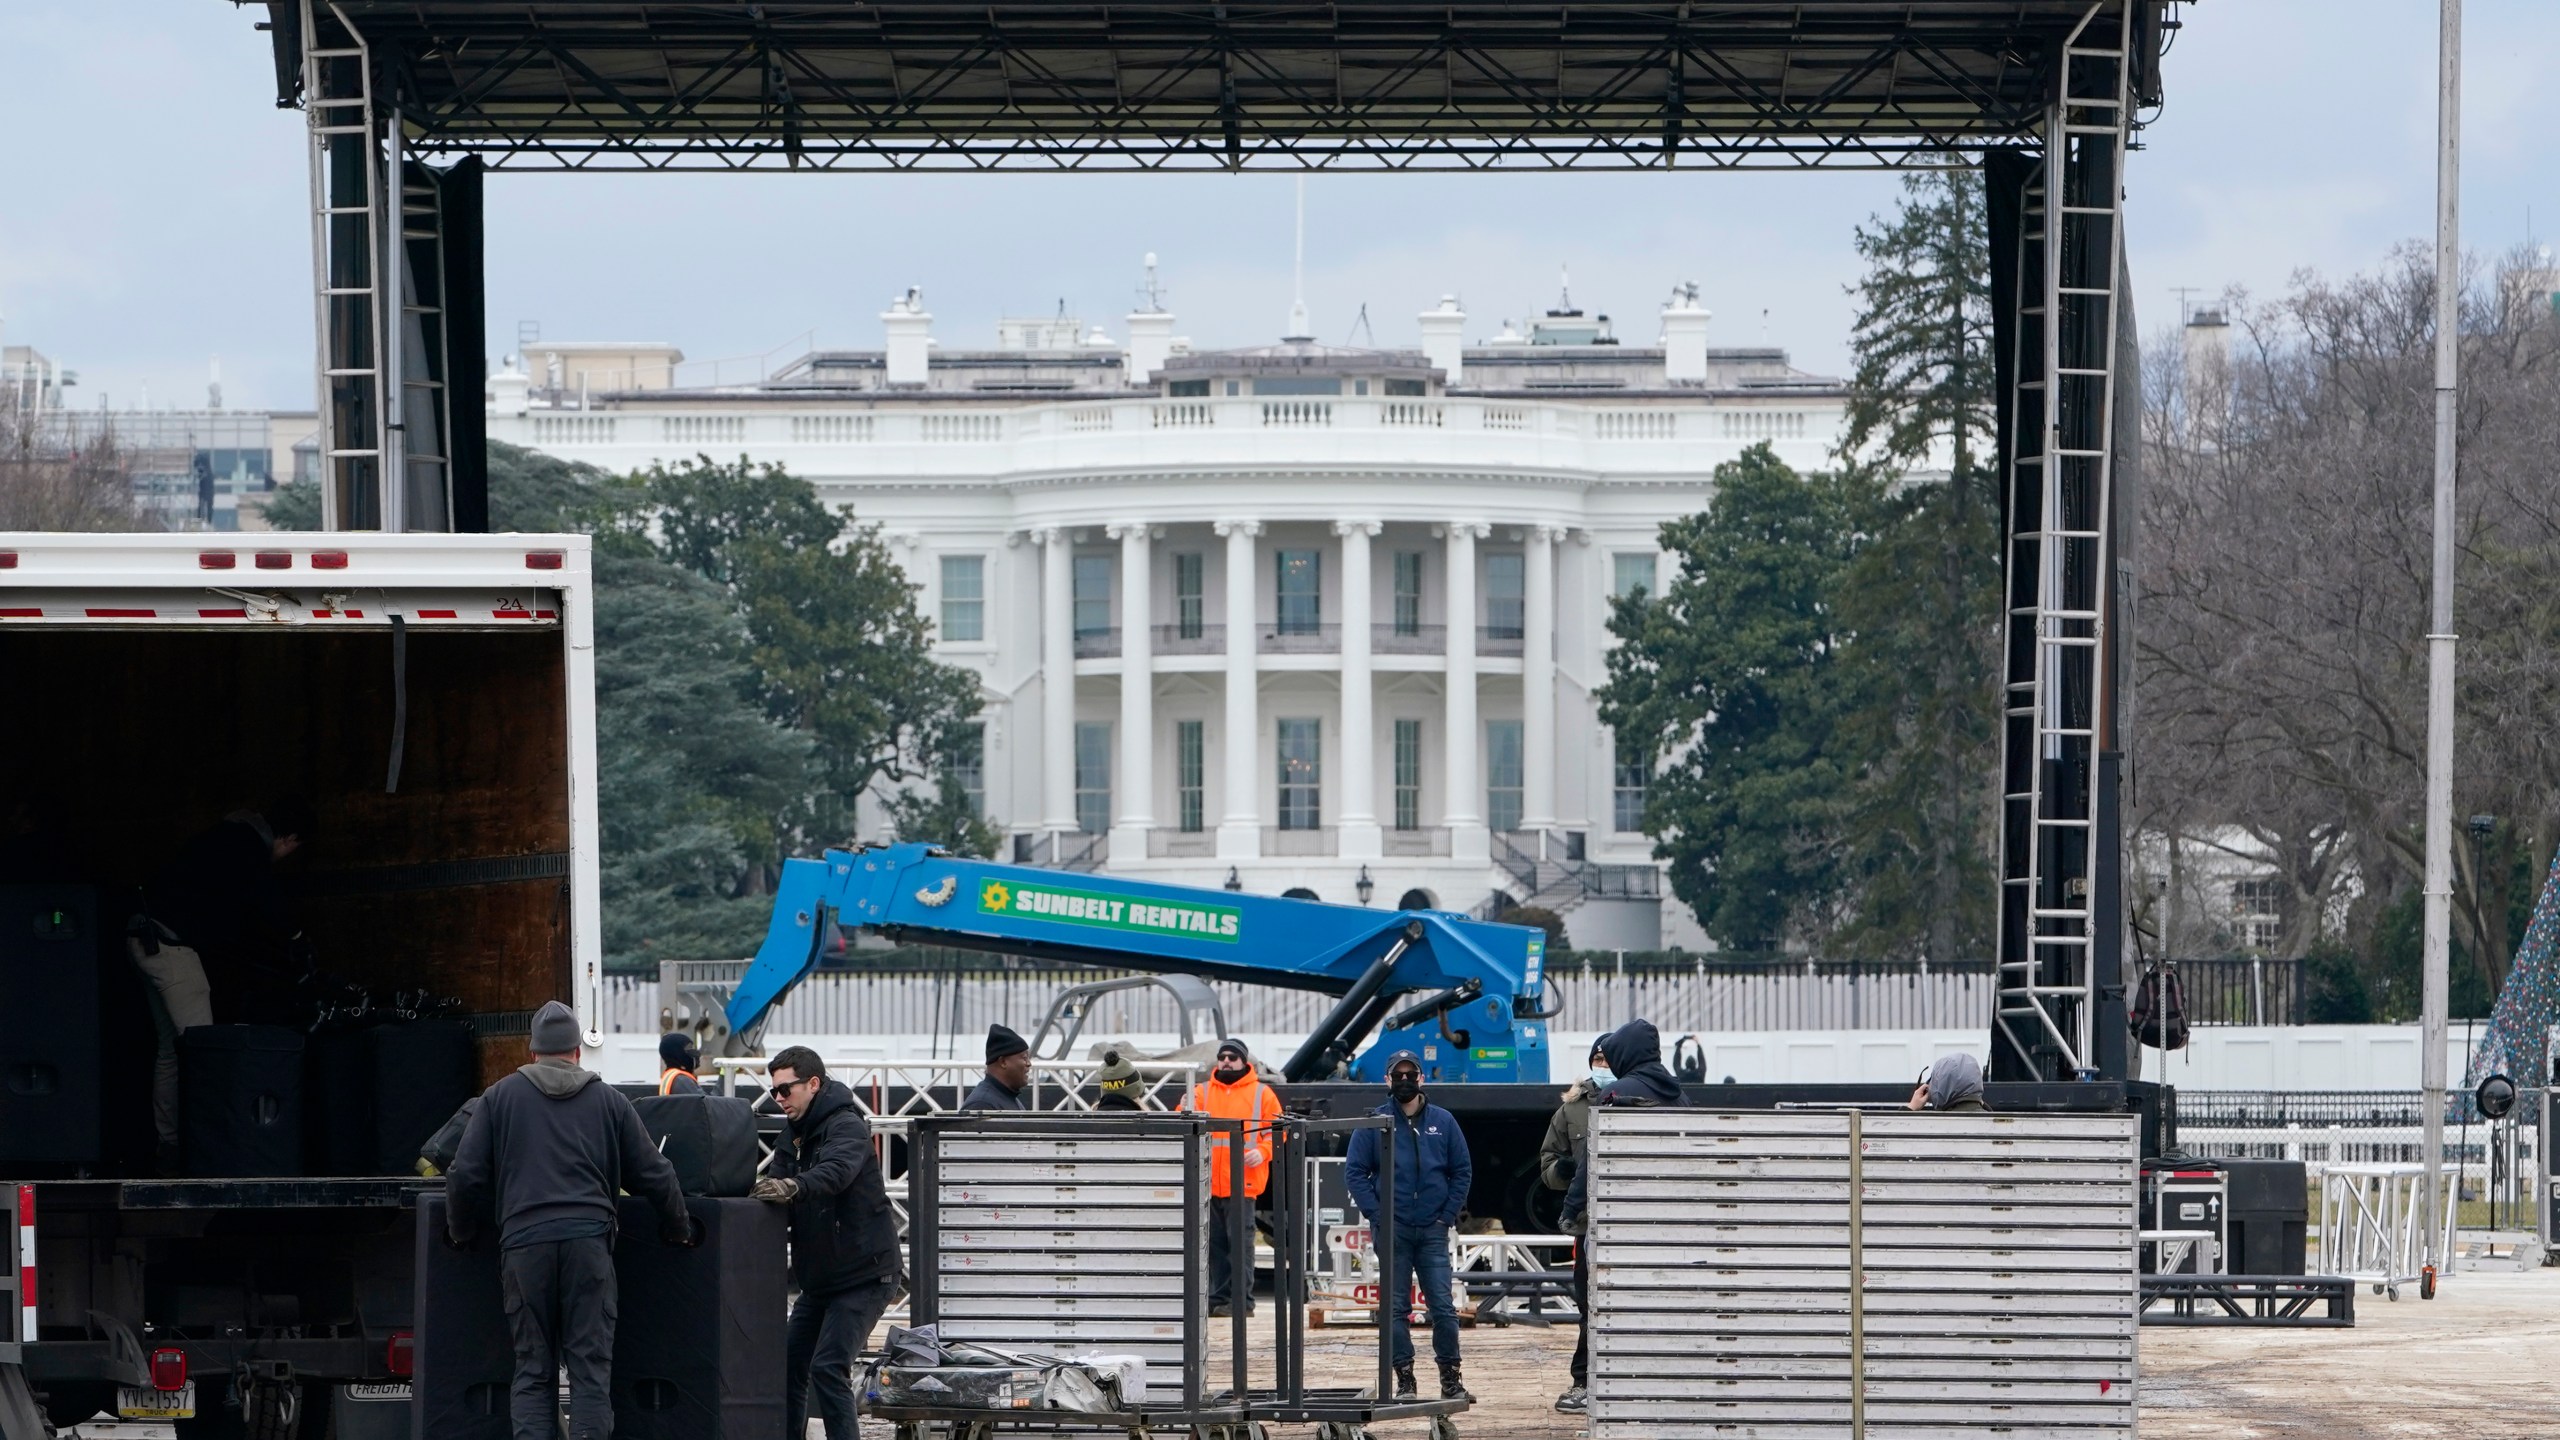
column 347, row 246
column 2058, row 657
column 422, row 433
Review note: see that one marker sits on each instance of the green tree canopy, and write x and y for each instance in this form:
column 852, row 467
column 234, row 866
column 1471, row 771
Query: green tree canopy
column 1729, row 677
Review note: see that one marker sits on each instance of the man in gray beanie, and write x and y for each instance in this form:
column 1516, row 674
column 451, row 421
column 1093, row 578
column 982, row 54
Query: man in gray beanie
column 545, row 1153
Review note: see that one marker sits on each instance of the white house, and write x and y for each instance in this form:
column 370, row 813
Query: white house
column 1294, row 616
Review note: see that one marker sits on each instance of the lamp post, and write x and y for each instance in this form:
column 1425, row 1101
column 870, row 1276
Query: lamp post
column 2436, row 942
column 1366, row 886
column 1234, row 881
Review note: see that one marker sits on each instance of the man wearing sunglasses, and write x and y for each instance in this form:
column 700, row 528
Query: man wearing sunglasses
column 844, row 1241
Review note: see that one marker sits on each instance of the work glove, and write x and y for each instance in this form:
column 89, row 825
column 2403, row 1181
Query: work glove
column 776, row 1192
column 689, row 1235
column 1252, row 1155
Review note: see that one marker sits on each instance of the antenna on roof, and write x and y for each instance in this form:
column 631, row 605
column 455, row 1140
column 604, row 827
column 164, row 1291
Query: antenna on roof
column 1151, row 294
column 1298, row 274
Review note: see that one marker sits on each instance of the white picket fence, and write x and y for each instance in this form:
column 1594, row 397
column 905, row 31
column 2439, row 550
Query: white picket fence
column 1702, row 1001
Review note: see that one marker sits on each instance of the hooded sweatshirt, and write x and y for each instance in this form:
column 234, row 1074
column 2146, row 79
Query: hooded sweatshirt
column 1634, row 1053
column 545, row 1154
column 1955, row 1083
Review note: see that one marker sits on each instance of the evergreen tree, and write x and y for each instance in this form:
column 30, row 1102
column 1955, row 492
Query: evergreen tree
column 841, row 652
column 1731, row 677
column 1922, row 597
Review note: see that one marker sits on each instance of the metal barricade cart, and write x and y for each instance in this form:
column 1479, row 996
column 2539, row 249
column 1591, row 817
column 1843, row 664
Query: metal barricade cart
column 1071, row 1234
column 1338, row 1413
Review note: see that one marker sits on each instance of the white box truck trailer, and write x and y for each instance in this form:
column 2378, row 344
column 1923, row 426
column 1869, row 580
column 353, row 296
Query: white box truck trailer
column 431, row 698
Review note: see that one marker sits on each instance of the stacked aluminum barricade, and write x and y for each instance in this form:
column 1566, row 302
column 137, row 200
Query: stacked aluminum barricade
column 1066, row 1235
column 1809, row 1275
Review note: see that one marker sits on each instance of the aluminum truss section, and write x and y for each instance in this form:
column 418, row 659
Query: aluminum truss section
column 2058, row 831
column 378, row 232
column 1196, row 85
column 348, row 241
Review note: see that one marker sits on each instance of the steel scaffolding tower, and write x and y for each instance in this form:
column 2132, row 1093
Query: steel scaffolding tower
column 2060, row 843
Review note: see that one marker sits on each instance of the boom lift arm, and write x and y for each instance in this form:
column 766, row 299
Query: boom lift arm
column 1482, row 982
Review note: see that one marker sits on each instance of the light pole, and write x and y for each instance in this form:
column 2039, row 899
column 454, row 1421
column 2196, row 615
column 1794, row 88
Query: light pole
column 2439, row 838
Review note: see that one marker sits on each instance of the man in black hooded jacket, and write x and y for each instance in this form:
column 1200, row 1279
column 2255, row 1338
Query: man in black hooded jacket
column 844, row 1241
column 1634, row 1053
column 544, row 1154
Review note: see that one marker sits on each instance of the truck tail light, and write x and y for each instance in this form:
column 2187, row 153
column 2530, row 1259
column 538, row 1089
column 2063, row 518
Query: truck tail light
column 216, row 560
column 328, row 559
column 544, row 559
column 400, row 1357
column 275, row 559
column 168, row 1369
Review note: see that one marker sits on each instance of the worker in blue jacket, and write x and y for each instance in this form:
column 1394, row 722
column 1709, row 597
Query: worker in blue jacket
column 1433, row 1173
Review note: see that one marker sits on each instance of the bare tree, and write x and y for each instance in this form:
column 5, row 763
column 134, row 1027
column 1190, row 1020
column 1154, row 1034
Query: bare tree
column 51, row 479
column 2282, row 660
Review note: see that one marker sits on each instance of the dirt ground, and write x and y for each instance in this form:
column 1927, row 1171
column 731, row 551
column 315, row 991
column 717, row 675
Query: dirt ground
column 2481, row 1361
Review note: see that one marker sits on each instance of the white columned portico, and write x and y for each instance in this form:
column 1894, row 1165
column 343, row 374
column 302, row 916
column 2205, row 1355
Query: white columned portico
column 1240, row 827
column 1463, row 810
column 1358, row 835
column 1538, row 682
column 1134, row 787
column 1057, row 678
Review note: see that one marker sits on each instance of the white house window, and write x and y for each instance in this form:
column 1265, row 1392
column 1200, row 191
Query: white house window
column 1188, row 613
column 1506, row 581
column 1408, row 599
column 1093, row 776
column 1626, row 801
column 1502, row 774
column 1301, row 774
column 1301, row 609
column 1093, row 595
column 1408, row 746
column 964, row 597
column 1190, row 772
column 965, row 765
column 1630, row 572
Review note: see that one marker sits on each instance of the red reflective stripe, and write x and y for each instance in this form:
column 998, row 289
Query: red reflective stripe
column 355, row 614
column 546, row 614
column 120, row 614
column 222, row 614
column 27, row 612
column 26, row 1262
column 511, row 614
column 435, row 615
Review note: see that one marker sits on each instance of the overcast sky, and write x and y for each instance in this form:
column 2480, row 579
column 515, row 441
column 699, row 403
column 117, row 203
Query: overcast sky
column 153, row 212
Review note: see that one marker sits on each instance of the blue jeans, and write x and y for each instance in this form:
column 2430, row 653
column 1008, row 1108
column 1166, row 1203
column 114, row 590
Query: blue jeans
column 1421, row 1257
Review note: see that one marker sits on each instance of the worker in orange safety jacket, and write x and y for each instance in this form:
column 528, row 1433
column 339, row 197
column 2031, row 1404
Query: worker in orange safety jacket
column 1234, row 1091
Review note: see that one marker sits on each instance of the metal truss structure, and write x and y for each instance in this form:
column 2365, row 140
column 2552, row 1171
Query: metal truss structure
column 2061, row 918
column 1187, row 85
column 2045, row 90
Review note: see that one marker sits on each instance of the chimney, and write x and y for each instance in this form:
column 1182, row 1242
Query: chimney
column 510, row 390
column 910, row 337
column 1684, row 337
column 1444, row 338
column 2207, row 353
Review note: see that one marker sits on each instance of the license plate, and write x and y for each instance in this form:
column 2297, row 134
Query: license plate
column 139, row 1403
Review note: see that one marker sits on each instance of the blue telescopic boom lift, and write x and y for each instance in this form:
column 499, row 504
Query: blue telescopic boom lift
column 1465, row 995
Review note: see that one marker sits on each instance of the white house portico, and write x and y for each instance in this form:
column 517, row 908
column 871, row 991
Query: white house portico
column 1290, row 617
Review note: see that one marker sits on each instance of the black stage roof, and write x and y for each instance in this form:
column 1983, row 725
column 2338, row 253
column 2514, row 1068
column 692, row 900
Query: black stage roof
column 1157, row 85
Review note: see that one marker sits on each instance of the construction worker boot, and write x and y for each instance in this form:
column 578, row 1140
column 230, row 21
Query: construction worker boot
column 1452, row 1385
column 1405, row 1388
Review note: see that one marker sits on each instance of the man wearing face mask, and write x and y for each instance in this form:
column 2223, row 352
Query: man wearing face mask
column 1560, row 1157
column 1433, row 1174
column 1634, row 1052
column 1234, row 1092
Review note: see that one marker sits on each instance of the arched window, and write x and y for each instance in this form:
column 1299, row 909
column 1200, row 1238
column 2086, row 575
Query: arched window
column 1416, row 900
column 1299, row 892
